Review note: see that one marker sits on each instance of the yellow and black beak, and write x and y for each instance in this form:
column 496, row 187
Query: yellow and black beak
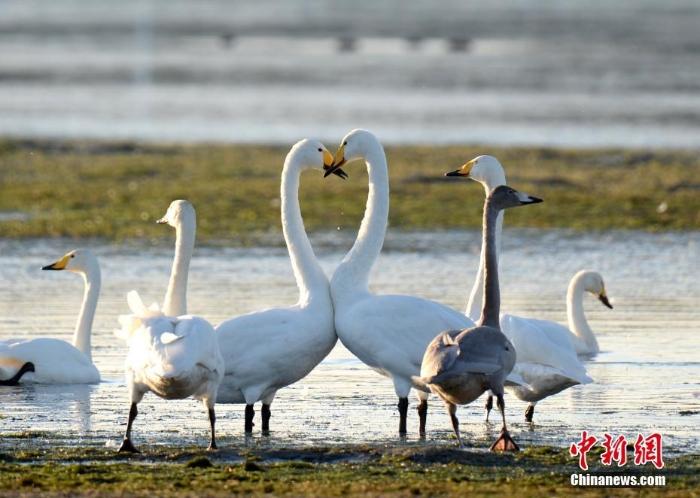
column 464, row 170
column 603, row 298
column 336, row 163
column 58, row 265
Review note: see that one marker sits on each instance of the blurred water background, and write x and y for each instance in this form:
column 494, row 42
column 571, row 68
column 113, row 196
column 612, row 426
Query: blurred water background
column 529, row 72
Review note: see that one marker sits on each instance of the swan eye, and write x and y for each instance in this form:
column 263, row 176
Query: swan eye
column 320, row 150
column 345, row 143
column 72, row 255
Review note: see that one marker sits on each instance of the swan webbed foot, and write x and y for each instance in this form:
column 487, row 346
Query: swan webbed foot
column 529, row 412
column 127, row 447
column 505, row 442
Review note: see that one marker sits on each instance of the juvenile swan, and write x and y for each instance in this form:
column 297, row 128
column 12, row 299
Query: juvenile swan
column 172, row 356
column 53, row 361
column 388, row 333
column 267, row 350
column 459, row 365
column 547, row 352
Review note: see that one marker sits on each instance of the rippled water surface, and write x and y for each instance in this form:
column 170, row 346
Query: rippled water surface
column 647, row 375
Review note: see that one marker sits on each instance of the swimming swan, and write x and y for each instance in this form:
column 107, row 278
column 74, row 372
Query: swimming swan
column 547, row 352
column 459, row 365
column 267, row 350
column 389, row 333
column 53, row 361
column 172, row 356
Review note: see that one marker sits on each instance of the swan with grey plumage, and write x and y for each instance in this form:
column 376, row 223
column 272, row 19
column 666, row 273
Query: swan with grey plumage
column 547, row 352
column 460, row 365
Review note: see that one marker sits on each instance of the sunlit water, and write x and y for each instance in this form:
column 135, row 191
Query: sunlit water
column 646, row 377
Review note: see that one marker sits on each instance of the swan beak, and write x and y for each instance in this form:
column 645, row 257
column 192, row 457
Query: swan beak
column 528, row 199
column 464, row 170
column 58, row 265
column 338, row 161
column 328, row 163
column 162, row 221
column 604, row 299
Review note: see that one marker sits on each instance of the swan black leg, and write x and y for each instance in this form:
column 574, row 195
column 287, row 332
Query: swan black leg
column 529, row 412
column 422, row 416
column 266, row 414
column 212, row 422
column 489, row 405
column 249, row 414
column 504, row 441
column 403, row 414
column 127, row 446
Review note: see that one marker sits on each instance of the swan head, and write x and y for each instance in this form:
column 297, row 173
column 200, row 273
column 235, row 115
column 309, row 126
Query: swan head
column 77, row 261
column 593, row 283
column 312, row 154
column 178, row 212
column 486, row 170
column 504, row 197
column 354, row 146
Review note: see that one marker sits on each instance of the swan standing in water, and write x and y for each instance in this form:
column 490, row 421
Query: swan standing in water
column 459, row 365
column 389, row 333
column 267, row 350
column 171, row 354
column 547, row 352
column 53, row 361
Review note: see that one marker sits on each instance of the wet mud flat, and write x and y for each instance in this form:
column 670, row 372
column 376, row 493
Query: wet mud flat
column 44, row 465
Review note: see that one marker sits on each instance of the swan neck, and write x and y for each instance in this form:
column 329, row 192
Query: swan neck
column 175, row 301
column 307, row 271
column 83, row 329
column 475, row 302
column 352, row 275
column 576, row 316
column 492, row 298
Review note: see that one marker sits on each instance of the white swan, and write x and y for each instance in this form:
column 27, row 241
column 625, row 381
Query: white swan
column 267, row 350
column 547, row 352
column 459, row 365
column 387, row 332
column 172, row 356
column 55, row 361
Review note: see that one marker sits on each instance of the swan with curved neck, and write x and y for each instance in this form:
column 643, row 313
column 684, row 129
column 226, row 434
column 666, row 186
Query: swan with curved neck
column 56, row 361
column 267, row 350
column 459, row 365
column 172, row 354
column 389, row 333
column 547, row 351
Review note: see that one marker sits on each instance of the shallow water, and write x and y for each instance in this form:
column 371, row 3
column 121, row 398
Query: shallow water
column 646, row 375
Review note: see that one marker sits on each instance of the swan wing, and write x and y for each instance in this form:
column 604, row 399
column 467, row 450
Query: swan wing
column 533, row 345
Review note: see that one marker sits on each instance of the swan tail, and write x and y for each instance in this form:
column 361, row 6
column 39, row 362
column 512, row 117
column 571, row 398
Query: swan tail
column 14, row 380
column 139, row 314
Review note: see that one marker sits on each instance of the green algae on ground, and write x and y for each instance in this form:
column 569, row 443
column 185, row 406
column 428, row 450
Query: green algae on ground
column 350, row 471
column 117, row 191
